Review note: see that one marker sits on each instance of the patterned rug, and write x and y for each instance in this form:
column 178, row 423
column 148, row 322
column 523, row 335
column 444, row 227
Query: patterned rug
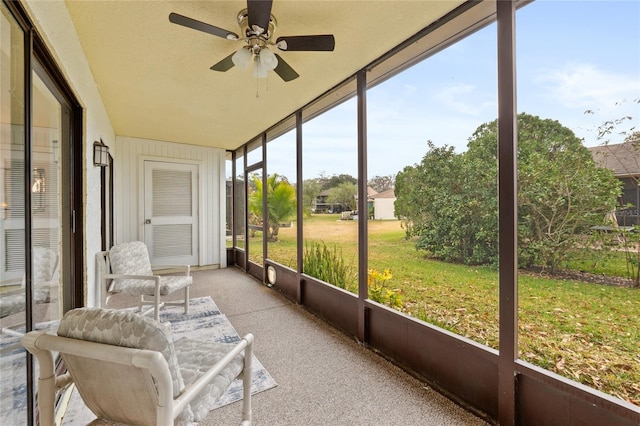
column 204, row 321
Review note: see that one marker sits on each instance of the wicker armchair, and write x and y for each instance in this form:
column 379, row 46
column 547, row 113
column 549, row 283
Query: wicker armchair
column 127, row 369
column 126, row 269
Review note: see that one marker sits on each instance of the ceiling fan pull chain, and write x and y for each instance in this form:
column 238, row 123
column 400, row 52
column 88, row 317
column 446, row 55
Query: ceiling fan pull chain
column 257, row 87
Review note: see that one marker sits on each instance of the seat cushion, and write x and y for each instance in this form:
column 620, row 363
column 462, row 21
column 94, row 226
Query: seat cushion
column 195, row 358
column 11, row 304
column 45, row 261
column 168, row 284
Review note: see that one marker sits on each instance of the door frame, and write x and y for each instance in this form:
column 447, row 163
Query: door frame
column 71, row 176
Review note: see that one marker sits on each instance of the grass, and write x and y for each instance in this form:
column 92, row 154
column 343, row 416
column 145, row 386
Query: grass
column 612, row 263
column 586, row 332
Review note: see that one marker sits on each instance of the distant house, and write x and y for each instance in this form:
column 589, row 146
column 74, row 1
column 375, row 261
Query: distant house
column 624, row 160
column 321, row 204
column 383, row 205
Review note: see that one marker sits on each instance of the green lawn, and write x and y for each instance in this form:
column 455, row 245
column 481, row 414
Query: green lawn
column 586, row 332
column 611, row 263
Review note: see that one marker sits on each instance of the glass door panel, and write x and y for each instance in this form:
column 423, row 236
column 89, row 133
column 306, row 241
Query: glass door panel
column 46, row 204
column 13, row 395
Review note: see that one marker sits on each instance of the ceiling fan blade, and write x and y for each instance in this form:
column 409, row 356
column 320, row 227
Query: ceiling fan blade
column 284, row 70
column 224, row 65
column 201, row 26
column 259, row 13
column 325, row 43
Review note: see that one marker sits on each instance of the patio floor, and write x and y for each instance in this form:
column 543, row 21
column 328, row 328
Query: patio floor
column 323, row 376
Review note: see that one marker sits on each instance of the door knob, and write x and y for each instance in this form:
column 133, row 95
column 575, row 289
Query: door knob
column 147, row 222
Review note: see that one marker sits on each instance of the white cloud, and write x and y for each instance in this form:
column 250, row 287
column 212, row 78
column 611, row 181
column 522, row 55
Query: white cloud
column 585, row 86
column 456, row 98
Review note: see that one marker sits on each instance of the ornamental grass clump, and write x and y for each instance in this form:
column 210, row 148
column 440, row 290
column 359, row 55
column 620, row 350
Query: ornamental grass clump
column 328, row 265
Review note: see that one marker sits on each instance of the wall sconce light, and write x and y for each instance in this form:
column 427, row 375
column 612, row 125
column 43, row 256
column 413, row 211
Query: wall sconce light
column 39, row 185
column 38, row 190
column 100, row 154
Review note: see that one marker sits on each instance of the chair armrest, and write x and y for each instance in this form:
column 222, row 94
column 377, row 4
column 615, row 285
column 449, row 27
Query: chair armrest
column 185, row 268
column 192, row 390
column 155, row 278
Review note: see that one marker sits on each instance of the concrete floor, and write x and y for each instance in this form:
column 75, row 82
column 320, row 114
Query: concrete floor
column 323, row 376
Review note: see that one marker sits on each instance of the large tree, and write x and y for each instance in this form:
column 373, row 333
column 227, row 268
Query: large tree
column 449, row 200
column 281, row 202
column 336, row 180
column 344, row 194
column 382, row 183
column 311, row 188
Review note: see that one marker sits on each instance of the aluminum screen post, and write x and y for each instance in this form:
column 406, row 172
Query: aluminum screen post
column 507, row 212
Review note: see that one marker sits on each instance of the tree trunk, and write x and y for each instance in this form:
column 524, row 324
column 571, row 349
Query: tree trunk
column 275, row 228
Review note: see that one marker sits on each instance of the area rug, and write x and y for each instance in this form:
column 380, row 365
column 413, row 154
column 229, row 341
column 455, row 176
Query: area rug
column 204, row 321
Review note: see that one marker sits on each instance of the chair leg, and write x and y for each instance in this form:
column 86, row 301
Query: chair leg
column 156, row 306
column 246, row 383
column 186, row 300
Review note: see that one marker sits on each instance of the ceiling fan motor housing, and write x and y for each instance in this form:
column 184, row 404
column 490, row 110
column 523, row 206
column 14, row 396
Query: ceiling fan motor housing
column 256, row 35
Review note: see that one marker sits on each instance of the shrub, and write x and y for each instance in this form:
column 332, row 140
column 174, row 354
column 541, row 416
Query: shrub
column 328, row 265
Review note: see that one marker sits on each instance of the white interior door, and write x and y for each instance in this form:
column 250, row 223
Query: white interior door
column 171, row 212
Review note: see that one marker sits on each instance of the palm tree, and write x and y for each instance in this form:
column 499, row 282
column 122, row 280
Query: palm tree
column 281, row 202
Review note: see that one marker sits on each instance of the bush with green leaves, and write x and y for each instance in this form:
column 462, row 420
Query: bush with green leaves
column 449, row 202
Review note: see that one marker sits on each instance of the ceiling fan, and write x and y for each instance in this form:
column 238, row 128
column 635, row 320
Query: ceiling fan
column 257, row 27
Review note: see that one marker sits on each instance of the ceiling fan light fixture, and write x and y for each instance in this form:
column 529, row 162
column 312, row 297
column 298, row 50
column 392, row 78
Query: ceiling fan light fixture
column 242, row 58
column 268, row 59
column 257, row 30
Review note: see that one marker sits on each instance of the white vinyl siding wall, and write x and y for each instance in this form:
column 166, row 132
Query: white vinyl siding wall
column 129, row 156
column 384, row 208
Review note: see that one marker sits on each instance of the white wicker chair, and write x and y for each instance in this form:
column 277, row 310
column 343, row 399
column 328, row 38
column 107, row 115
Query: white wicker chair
column 127, row 369
column 126, row 269
column 45, row 263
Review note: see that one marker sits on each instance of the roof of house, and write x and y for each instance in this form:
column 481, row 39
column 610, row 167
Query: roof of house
column 622, row 158
column 389, row 193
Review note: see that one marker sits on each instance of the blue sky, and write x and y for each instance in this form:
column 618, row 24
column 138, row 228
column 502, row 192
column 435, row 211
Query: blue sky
column 572, row 56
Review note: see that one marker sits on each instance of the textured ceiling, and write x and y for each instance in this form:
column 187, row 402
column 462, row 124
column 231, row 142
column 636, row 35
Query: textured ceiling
column 155, row 80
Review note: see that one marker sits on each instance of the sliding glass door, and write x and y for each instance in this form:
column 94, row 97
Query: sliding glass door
column 13, row 395
column 41, row 261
